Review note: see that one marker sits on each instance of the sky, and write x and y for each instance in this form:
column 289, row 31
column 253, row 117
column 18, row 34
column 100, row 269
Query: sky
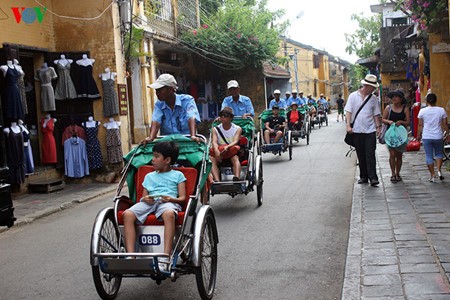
column 323, row 23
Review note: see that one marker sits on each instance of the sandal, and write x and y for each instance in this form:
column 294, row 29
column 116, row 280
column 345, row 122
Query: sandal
column 393, row 178
column 399, row 178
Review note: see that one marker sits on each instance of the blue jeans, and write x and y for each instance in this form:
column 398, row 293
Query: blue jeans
column 433, row 149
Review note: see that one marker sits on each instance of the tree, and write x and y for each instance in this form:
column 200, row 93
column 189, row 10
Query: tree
column 363, row 42
column 240, row 33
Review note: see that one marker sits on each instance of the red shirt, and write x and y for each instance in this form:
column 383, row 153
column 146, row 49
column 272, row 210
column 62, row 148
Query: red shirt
column 294, row 116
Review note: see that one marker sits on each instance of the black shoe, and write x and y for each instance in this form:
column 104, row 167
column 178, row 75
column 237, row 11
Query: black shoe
column 374, row 182
column 362, row 180
column 235, row 178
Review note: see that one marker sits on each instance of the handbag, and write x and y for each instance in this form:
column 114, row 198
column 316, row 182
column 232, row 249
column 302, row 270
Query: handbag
column 396, row 136
column 384, row 129
column 413, row 145
column 349, row 136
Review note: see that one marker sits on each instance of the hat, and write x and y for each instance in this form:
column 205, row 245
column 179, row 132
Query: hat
column 288, row 92
column 321, row 95
column 397, row 93
column 232, row 84
column 276, row 92
column 301, row 92
column 294, row 92
column 371, row 80
column 275, row 107
column 294, row 103
column 309, row 95
column 162, row 81
column 227, row 110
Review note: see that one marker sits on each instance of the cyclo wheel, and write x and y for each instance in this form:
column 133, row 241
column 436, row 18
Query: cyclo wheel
column 259, row 181
column 446, row 149
column 107, row 285
column 206, row 273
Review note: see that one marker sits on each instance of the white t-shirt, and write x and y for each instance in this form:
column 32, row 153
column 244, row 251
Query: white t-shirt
column 228, row 134
column 432, row 117
column 364, row 122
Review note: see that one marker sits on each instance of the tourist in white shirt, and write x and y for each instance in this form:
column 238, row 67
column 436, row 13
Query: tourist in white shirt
column 433, row 121
column 366, row 127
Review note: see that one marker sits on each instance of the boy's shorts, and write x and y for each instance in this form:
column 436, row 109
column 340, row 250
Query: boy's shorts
column 142, row 209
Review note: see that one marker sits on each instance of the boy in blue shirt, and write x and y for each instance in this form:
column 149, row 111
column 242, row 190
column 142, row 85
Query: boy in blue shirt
column 164, row 191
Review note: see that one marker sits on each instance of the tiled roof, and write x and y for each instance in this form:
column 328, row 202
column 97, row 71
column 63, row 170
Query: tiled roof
column 275, row 71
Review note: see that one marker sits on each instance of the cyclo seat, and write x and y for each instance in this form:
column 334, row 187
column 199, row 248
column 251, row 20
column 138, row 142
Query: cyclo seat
column 191, row 180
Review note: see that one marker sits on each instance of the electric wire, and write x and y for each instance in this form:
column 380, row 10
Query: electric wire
column 75, row 18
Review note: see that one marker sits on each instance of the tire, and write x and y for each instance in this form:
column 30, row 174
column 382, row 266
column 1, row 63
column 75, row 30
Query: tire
column 259, row 182
column 307, row 139
column 206, row 273
column 258, row 143
column 320, row 123
column 446, row 149
column 326, row 120
column 107, row 285
column 290, row 152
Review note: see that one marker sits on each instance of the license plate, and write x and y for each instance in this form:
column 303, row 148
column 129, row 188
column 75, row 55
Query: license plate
column 150, row 240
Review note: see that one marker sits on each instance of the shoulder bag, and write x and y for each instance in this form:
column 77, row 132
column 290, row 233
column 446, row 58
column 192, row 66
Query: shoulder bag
column 349, row 136
column 384, row 129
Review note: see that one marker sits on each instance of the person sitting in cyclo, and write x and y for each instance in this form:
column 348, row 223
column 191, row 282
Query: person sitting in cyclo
column 323, row 103
column 312, row 110
column 164, row 191
column 224, row 144
column 274, row 126
column 294, row 118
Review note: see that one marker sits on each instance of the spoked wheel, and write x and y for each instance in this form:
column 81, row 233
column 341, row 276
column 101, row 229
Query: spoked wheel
column 107, row 285
column 446, row 149
column 259, row 181
column 206, row 273
column 320, row 123
column 326, row 120
column 258, row 143
column 289, row 140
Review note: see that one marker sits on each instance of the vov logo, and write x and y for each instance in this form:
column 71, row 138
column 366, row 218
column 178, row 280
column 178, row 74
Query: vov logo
column 29, row 15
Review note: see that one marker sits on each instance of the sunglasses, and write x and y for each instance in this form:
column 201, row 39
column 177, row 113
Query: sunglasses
column 226, row 115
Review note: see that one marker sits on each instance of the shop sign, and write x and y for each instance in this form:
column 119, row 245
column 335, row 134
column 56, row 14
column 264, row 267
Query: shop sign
column 123, row 99
column 29, row 15
column 441, row 48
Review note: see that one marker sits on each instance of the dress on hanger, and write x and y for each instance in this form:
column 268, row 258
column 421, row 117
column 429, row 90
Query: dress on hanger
column 13, row 100
column 114, row 145
column 64, row 87
column 45, row 77
column 15, row 154
column 72, row 130
column 87, row 88
column 93, row 150
column 23, row 95
column 110, row 100
column 48, row 142
column 28, row 154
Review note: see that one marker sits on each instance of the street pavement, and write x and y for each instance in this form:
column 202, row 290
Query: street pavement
column 399, row 239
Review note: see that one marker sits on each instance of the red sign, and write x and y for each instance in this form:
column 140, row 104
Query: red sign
column 123, row 99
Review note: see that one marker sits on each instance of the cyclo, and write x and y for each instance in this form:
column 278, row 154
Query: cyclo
column 303, row 129
column 322, row 114
column 196, row 238
column 285, row 144
column 251, row 165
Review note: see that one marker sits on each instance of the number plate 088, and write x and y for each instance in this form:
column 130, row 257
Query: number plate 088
column 150, row 240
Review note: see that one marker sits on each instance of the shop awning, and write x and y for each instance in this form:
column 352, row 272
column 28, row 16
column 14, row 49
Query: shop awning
column 275, row 71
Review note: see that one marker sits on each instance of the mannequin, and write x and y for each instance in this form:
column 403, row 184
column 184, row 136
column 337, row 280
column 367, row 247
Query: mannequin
column 21, row 85
column 4, row 68
column 87, row 87
column 15, row 153
column 28, row 152
column 14, row 128
column 85, row 61
column 48, row 140
column 63, row 61
column 45, row 75
column 113, row 142
column 65, row 88
column 110, row 100
column 94, row 153
column 112, row 124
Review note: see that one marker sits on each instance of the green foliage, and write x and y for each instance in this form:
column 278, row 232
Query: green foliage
column 132, row 45
column 239, row 34
column 426, row 13
column 356, row 73
column 366, row 39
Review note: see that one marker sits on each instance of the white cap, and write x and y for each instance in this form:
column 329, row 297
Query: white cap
column 294, row 91
column 276, row 92
column 162, row 81
column 288, row 92
column 232, row 84
column 301, row 92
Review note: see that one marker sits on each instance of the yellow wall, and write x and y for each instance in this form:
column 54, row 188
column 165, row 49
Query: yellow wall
column 36, row 34
column 440, row 72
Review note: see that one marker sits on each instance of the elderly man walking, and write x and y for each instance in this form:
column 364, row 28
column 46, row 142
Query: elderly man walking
column 365, row 128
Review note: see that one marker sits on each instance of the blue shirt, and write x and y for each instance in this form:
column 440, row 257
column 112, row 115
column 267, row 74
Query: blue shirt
column 297, row 100
column 163, row 184
column 281, row 103
column 176, row 121
column 242, row 106
column 323, row 101
column 75, row 158
column 303, row 100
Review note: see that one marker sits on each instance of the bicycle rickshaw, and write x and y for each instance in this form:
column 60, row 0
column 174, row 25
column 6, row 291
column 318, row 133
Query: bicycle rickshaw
column 322, row 114
column 285, row 144
column 251, row 166
column 195, row 242
column 304, row 129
